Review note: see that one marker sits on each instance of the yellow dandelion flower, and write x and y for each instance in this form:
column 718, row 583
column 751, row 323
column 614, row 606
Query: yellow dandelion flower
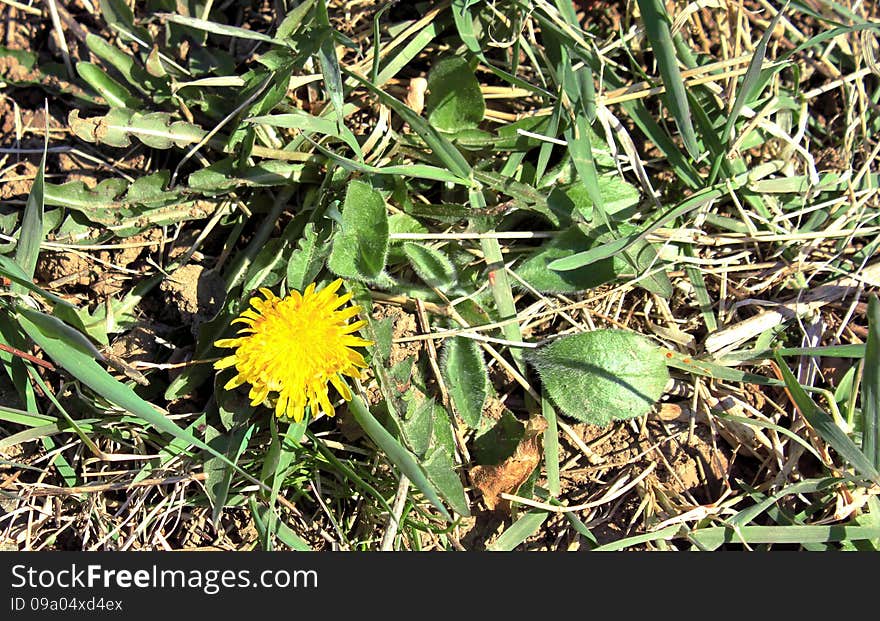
column 294, row 346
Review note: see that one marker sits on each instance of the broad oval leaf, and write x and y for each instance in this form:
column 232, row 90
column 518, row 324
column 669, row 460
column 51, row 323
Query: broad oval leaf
column 455, row 101
column 601, row 376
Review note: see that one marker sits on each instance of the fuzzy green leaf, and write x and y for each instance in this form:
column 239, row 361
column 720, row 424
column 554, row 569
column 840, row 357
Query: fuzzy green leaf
column 440, row 469
column 430, row 264
column 826, row 427
column 219, row 474
column 361, row 246
column 497, row 440
column 305, row 262
column 455, row 101
column 536, row 272
column 657, row 27
column 464, row 372
column 601, row 376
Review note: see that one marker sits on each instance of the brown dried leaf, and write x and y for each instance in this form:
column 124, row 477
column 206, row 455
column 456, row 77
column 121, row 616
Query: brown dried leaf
column 507, row 476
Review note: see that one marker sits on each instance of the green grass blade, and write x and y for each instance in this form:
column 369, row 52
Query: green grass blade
column 746, row 516
column 499, row 283
column 742, row 420
column 825, row 426
column 465, row 25
column 219, row 475
column 412, row 49
column 849, row 350
column 610, row 249
column 871, row 386
column 304, row 121
column 329, row 63
column 218, row 29
column 441, row 146
column 750, row 80
column 621, row 544
column 551, row 446
column 30, row 235
column 519, row 531
column 829, row 35
column 707, row 368
column 715, row 536
column 422, row 171
column 657, row 27
column 83, row 367
column 700, row 292
column 21, row 417
column 12, row 270
column 396, row 452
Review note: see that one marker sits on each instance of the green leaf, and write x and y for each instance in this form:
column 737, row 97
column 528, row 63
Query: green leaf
column 657, row 27
column 465, row 25
column 430, row 264
column 708, row 368
column 497, row 440
column 219, row 474
column 11, row 270
column 119, row 16
column 825, row 426
column 871, row 386
column 747, row 88
column 126, row 65
column 619, row 197
column 401, row 223
column 293, row 20
column 717, row 535
column 328, row 61
column 600, row 376
column 443, row 149
column 266, row 270
column 440, row 470
column 612, row 248
column 264, row 516
column 455, row 101
column 466, row 377
column 306, row 261
column 551, row 446
column 116, row 94
column 361, row 245
column 309, row 123
column 155, row 129
column 30, row 235
column 72, row 338
column 45, row 331
column 526, row 526
column 535, row 269
column 396, row 452
column 218, row 29
column 417, row 426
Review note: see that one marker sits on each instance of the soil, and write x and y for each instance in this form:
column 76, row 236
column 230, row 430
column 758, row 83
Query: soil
column 97, row 275
column 138, row 344
column 192, row 296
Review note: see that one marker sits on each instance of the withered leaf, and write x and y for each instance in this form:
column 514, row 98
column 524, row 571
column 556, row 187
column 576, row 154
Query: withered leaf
column 493, row 480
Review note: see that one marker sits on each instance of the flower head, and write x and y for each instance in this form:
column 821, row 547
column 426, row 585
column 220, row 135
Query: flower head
column 294, row 346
